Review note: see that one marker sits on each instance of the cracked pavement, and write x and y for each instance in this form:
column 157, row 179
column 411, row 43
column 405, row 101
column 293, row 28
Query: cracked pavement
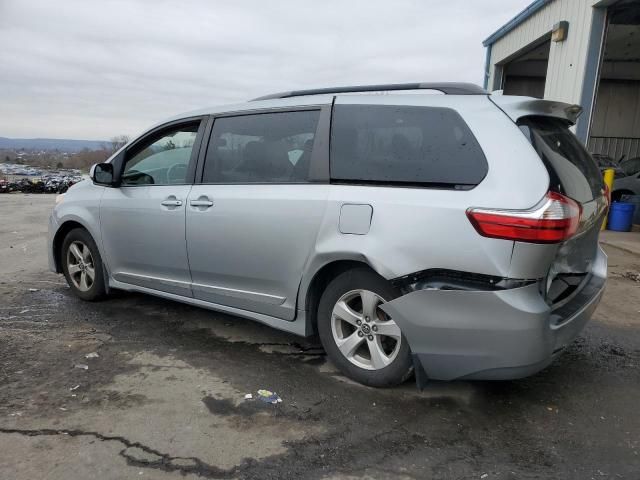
column 165, row 397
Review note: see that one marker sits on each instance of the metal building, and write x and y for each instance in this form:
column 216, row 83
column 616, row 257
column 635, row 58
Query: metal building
column 578, row 51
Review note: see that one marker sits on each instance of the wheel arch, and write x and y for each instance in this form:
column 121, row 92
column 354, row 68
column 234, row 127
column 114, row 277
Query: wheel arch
column 58, row 238
column 60, row 235
column 309, row 296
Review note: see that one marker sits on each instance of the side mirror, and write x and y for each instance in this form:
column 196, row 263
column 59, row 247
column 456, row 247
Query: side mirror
column 102, row 174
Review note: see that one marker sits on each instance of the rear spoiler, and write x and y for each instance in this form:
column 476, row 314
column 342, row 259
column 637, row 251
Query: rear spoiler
column 517, row 107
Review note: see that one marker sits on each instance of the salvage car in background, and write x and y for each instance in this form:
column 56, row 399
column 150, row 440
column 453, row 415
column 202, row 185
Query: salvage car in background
column 631, row 166
column 629, row 185
column 605, row 162
column 455, row 233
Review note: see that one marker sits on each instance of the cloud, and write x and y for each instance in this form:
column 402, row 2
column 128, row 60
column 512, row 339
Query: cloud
column 79, row 69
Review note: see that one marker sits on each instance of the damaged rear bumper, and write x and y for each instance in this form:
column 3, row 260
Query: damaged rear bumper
column 492, row 335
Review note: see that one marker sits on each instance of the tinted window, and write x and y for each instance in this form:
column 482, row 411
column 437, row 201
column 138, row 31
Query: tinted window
column 399, row 144
column 261, row 148
column 163, row 159
column 572, row 170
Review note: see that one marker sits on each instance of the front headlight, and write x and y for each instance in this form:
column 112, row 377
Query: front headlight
column 59, row 198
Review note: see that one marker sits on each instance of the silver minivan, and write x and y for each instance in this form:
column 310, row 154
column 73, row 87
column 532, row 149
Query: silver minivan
column 427, row 228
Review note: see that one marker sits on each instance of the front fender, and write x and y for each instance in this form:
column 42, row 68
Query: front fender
column 81, row 206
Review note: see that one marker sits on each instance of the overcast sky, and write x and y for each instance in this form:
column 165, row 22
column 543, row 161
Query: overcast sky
column 92, row 70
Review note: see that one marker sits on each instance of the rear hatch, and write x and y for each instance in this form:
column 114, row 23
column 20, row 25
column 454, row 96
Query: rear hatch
column 575, row 174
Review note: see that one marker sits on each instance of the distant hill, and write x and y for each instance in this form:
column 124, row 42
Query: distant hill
column 61, row 144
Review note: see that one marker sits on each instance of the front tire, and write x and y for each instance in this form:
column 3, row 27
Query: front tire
column 82, row 265
column 360, row 339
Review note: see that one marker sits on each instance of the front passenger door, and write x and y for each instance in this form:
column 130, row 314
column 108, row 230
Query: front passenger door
column 143, row 220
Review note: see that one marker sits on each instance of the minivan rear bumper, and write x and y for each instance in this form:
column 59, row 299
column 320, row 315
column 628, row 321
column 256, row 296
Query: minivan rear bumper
column 493, row 335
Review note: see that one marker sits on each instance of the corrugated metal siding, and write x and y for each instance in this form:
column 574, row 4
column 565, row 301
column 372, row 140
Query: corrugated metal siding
column 566, row 59
column 618, row 109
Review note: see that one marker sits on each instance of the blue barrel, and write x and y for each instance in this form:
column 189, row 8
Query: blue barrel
column 635, row 199
column 621, row 216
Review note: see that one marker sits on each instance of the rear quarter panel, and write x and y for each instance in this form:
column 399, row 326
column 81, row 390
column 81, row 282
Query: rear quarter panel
column 414, row 229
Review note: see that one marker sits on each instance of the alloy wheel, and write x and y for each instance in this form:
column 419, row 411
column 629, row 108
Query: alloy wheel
column 80, row 266
column 364, row 334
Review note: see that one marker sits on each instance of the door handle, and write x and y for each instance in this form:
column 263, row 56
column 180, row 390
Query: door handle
column 201, row 202
column 172, row 203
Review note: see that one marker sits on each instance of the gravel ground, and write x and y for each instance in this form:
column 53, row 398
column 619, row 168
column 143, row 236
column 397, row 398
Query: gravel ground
column 165, row 397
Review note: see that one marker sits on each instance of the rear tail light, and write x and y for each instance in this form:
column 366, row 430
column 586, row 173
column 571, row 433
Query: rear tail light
column 554, row 219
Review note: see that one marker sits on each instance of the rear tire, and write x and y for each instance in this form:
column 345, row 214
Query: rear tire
column 82, row 265
column 359, row 338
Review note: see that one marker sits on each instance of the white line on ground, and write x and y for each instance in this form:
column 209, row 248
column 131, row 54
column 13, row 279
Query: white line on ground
column 42, row 305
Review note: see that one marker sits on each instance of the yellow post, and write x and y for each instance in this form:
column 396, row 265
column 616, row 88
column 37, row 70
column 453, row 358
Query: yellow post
column 609, row 175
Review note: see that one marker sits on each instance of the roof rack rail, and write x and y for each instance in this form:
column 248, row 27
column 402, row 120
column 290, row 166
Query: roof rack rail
column 449, row 88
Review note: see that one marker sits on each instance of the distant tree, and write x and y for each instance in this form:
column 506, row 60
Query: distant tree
column 7, row 159
column 59, row 165
column 117, row 142
column 85, row 158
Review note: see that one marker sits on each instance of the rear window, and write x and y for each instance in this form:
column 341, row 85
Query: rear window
column 572, row 170
column 404, row 145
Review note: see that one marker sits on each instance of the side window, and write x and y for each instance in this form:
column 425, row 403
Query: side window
column 404, row 144
column 261, row 148
column 163, row 159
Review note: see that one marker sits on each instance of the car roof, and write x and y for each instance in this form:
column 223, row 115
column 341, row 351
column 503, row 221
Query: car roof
column 324, row 96
column 310, row 100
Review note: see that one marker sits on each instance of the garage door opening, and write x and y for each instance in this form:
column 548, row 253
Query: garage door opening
column 526, row 74
column 615, row 128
